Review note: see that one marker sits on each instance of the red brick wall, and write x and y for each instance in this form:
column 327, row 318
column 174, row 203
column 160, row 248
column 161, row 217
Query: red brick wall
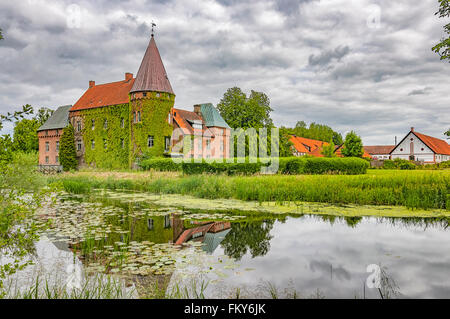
column 48, row 157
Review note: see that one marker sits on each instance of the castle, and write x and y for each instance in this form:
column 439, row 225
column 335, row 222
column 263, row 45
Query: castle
column 117, row 123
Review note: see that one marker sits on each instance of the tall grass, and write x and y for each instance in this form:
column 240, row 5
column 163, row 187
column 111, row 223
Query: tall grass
column 416, row 189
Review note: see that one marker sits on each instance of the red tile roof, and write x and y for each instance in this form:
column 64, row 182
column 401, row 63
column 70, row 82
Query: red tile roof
column 306, row 145
column 437, row 145
column 379, row 149
column 104, row 94
column 184, row 119
column 152, row 75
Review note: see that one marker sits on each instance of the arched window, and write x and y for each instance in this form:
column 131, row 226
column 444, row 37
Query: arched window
column 139, row 116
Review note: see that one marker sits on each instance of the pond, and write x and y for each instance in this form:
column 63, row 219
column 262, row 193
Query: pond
column 253, row 254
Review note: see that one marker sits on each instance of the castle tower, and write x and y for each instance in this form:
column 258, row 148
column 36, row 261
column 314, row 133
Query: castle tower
column 151, row 99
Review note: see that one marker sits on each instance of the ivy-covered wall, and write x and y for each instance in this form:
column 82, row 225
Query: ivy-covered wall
column 154, row 112
column 108, row 152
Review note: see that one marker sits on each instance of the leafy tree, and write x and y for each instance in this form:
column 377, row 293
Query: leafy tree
column 447, row 133
column 25, row 135
column 353, row 146
column 316, row 131
column 254, row 237
column 18, row 232
column 285, row 145
column 443, row 47
column 67, row 153
column 328, row 150
column 43, row 115
column 240, row 111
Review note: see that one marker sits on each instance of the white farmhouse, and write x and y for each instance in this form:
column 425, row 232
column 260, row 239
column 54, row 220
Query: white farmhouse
column 423, row 148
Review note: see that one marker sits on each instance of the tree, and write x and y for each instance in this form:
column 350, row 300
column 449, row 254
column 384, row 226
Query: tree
column 1, row 35
column 317, row 132
column 443, row 47
column 353, row 146
column 447, row 133
column 328, row 150
column 43, row 115
column 25, row 135
column 67, row 153
column 242, row 112
column 251, row 237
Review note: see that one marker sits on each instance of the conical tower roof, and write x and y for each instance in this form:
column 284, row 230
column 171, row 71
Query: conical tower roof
column 152, row 75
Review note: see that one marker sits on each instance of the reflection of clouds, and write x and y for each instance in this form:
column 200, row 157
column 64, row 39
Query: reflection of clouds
column 302, row 250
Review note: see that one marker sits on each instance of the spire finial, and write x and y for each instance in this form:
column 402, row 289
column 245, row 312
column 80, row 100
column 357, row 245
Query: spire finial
column 153, row 30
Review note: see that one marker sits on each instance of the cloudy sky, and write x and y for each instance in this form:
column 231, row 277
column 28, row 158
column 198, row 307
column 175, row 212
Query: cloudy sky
column 364, row 64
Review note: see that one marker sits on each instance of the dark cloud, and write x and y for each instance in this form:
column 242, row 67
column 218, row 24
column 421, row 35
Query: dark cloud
column 318, row 61
column 425, row 90
column 327, row 56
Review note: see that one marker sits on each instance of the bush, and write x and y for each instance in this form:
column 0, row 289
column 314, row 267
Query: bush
column 221, row 168
column 160, row 164
column 295, row 165
column 398, row 164
column 347, row 165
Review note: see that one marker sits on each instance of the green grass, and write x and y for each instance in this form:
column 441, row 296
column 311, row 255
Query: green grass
column 413, row 189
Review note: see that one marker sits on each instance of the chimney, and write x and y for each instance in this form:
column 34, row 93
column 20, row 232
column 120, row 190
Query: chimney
column 396, row 140
column 197, row 109
column 412, row 129
column 91, row 84
column 128, row 76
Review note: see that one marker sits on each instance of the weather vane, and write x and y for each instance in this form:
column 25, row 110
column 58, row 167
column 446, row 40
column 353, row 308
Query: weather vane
column 153, row 26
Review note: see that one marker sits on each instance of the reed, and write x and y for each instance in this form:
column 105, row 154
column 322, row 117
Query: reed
column 413, row 189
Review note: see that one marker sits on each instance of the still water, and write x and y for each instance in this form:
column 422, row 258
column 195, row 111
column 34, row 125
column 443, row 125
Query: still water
column 249, row 254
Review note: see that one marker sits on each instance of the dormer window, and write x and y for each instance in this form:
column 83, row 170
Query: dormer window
column 144, row 94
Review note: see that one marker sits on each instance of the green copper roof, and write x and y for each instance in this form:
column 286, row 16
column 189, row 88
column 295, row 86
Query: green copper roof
column 59, row 119
column 211, row 116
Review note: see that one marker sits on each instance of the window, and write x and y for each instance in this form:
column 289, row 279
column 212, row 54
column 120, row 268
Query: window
column 150, row 224
column 422, row 149
column 208, row 144
column 158, row 95
column 93, row 124
column 46, row 133
column 134, row 117
column 167, row 221
column 46, row 160
column 105, row 144
column 122, row 142
column 401, row 150
column 93, row 144
column 168, row 119
column 79, row 126
column 221, row 145
column 47, row 146
column 105, row 124
column 139, row 116
column 167, row 143
column 144, row 94
column 57, row 159
column 79, row 145
column 150, row 141
column 57, row 146
column 199, row 144
column 122, row 122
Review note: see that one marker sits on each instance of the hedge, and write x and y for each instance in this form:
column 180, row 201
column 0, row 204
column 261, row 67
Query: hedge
column 346, row 165
column 160, row 164
column 289, row 165
column 222, row 168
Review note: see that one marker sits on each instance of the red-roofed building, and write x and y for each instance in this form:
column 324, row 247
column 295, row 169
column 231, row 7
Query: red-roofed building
column 419, row 147
column 305, row 146
column 116, row 123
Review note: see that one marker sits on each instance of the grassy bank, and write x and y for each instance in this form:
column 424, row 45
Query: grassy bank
column 413, row 189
